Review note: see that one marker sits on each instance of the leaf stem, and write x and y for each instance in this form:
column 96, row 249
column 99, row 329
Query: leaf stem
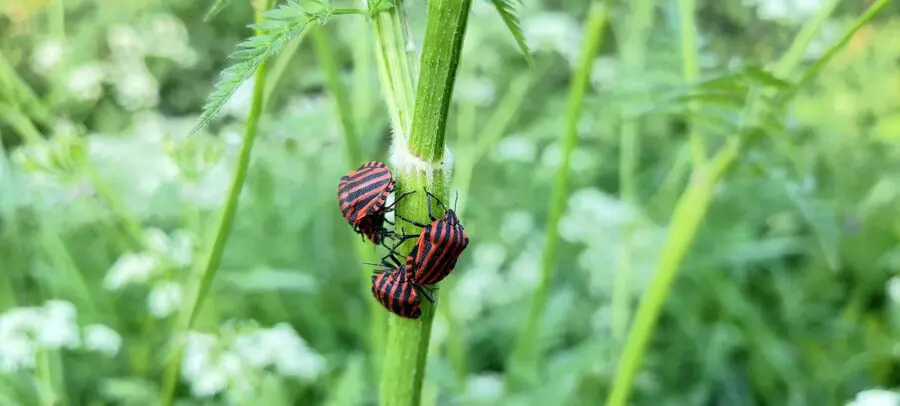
column 691, row 72
column 633, row 56
column 396, row 71
column 188, row 316
column 419, row 166
column 523, row 358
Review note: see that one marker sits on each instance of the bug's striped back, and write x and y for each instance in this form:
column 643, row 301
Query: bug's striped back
column 395, row 292
column 363, row 192
column 439, row 246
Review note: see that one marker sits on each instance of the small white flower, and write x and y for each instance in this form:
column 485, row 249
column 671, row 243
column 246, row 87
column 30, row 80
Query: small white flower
column 209, row 383
column 197, row 352
column 165, row 299
column 136, row 88
column 58, row 327
column 604, row 72
column 125, row 42
column 476, row 90
column 484, row 388
column 47, row 55
column 181, row 248
column 893, row 289
column 295, row 359
column 157, row 240
column 551, row 157
column 515, row 225
column 876, row 397
column 17, row 353
column 524, row 272
column 130, row 269
column 470, row 291
column 489, row 255
column 554, row 31
column 102, row 339
column 238, row 106
column 515, row 148
column 86, row 82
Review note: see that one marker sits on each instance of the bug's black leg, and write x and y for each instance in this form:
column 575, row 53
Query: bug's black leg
column 422, row 290
column 398, row 199
column 415, row 223
column 431, row 195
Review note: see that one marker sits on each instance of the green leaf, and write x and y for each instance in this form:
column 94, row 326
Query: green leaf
column 507, row 11
column 215, row 9
column 277, row 28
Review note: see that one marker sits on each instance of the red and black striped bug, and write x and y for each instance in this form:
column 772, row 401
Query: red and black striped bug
column 393, row 289
column 362, row 195
column 438, row 247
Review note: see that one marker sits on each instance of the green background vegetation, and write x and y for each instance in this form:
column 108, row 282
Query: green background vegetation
column 786, row 295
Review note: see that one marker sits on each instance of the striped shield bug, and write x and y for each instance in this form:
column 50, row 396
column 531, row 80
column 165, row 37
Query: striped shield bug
column 362, row 195
column 395, row 292
column 438, row 247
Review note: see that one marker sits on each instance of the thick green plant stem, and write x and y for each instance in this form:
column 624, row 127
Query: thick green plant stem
column 188, row 316
column 692, row 206
column 524, row 355
column 419, row 166
column 447, row 28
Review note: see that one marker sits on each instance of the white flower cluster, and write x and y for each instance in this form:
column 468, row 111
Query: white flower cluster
column 477, row 90
column 601, row 222
column 163, row 36
column 876, row 397
column 234, row 361
column 24, row 331
column 786, row 11
column 554, row 32
column 470, row 293
column 164, row 253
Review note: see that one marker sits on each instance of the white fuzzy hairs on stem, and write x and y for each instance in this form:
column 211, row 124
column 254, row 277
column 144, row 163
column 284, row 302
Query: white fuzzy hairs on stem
column 404, row 161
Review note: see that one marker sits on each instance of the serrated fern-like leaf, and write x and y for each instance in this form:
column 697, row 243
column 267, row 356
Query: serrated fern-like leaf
column 507, row 11
column 279, row 26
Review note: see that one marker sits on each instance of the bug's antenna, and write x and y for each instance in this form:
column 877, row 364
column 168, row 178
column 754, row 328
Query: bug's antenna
column 455, row 200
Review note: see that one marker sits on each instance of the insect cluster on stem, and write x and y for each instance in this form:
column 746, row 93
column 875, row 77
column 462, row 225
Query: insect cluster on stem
column 362, row 196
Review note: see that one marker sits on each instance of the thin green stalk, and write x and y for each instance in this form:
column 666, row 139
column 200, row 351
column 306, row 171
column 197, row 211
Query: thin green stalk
column 691, row 71
column 395, row 69
column 188, row 316
column 474, row 148
column 45, row 378
column 524, row 355
column 132, row 225
column 686, row 218
column 325, row 55
column 419, row 166
column 22, row 124
column 633, row 57
column 471, row 154
column 362, row 74
column 689, row 212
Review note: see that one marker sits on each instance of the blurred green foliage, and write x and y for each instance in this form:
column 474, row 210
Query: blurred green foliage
column 788, row 295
